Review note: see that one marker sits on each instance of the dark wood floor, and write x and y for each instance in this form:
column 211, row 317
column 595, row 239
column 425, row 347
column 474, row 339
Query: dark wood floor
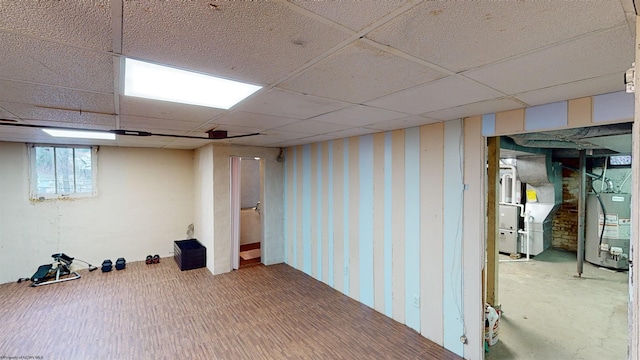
column 158, row 312
column 251, row 262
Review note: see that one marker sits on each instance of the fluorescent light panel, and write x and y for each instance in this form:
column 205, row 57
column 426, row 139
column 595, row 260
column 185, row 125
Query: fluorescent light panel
column 159, row 82
column 80, row 134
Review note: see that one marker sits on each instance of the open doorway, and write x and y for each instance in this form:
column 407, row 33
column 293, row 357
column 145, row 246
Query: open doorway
column 246, row 211
column 563, row 296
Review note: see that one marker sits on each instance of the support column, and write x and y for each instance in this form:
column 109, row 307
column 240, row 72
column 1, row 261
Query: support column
column 634, row 259
column 582, row 198
column 493, row 173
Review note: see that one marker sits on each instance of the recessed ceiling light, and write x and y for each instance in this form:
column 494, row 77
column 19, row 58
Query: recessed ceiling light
column 80, row 134
column 151, row 81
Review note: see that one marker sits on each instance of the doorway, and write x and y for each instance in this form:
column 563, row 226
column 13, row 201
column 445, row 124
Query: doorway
column 553, row 307
column 246, row 211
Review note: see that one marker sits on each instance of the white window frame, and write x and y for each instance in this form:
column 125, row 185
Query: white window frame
column 33, row 183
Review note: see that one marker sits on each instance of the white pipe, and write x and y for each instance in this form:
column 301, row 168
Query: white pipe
column 527, row 233
column 513, row 182
column 521, row 206
column 624, row 181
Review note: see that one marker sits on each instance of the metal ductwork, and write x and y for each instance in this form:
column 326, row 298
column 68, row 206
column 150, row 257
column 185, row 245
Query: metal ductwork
column 570, row 138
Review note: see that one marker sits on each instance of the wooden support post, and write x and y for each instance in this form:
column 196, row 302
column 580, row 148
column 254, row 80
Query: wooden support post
column 493, row 173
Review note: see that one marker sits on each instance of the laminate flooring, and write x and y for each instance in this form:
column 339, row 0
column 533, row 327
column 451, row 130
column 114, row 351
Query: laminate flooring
column 159, row 312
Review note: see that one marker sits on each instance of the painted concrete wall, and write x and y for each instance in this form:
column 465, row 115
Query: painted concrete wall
column 144, row 203
column 212, row 208
column 396, row 221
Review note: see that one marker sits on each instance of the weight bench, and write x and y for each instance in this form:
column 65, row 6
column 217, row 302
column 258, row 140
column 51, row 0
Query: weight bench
column 56, row 272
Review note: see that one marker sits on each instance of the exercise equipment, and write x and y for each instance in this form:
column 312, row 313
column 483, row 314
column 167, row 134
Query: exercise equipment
column 156, row 259
column 107, row 265
column 58, row 271
column 149, row 260
column 121, row 263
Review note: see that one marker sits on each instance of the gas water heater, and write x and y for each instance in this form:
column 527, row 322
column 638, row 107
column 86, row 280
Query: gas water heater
column 608, row 230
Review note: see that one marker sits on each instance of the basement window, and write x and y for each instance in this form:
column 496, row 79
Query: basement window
column 62, row 171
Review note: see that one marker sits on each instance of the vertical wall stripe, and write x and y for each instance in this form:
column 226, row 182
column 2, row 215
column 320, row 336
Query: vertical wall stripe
column 613, row 106
column 378, row 222
column 354, row 218
column 412, row 227
column 546, row 116
column 488, row 124
column 294, row 209
column 453, row 187
column 345, row 215
column 299, row 254
column 365, row 231
column 473, row 225
column 338, row 214
column 431, row 239
column 320, row 241
column 388, row 227
column 287, row 205
column 329, row 215
column 398, row 242
column 306, row 208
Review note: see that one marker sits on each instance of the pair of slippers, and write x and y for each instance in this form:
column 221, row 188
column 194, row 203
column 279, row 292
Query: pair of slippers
column 152, row 259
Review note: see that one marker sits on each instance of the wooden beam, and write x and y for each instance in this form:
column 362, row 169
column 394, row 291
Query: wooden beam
column 493, row 172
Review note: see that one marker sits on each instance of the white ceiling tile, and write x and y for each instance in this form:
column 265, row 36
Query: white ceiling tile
column 359, row 73
column 403, row 123
column 351, row 14
column 85, row 23
column 352, row 132
column 156, row 124
column 479, row 108
column 5, row 114
column 310, row 127
column 359, row 115
column 36, row 135
column 255, row 41
column 437, row 95
column 591, row 56
column 460, row 35
column 68, row 117
column 166, row 110
column 259, row 121
column 289, row 104
column 595, row 86
column 260, row 140
column 54, row 64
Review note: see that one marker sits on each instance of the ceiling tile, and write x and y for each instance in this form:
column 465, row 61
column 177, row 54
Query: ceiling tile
column 187, row 143
column 5, row 114
column 69, row 117
column 289, row 104
column 260, row 121
column 15, row 97
column 352, row 132
column 437, row 95
column 403, row 123
column 166, row 110
column 479, row 108
column 358, row 115
column 359, row 73
column 254, row 41
column 588, row 57
column 461, row 35
column 54, row 64
column 312, row 127
column 156, row 124
column 84, row 23
column 595, row 86
column 351, row 14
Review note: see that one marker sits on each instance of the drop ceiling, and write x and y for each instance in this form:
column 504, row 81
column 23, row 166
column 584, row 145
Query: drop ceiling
column 329, row 69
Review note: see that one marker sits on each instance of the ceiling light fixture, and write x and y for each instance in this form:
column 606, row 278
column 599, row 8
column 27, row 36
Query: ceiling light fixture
column 151, row 81
column 80, row 134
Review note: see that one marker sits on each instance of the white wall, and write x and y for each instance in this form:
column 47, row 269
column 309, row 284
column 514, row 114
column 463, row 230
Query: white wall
column 144, row 203
column 213, row 172
column 249, row 182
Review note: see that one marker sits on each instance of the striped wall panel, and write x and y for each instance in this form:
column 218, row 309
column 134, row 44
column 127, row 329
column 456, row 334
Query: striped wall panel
column 379, row 218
